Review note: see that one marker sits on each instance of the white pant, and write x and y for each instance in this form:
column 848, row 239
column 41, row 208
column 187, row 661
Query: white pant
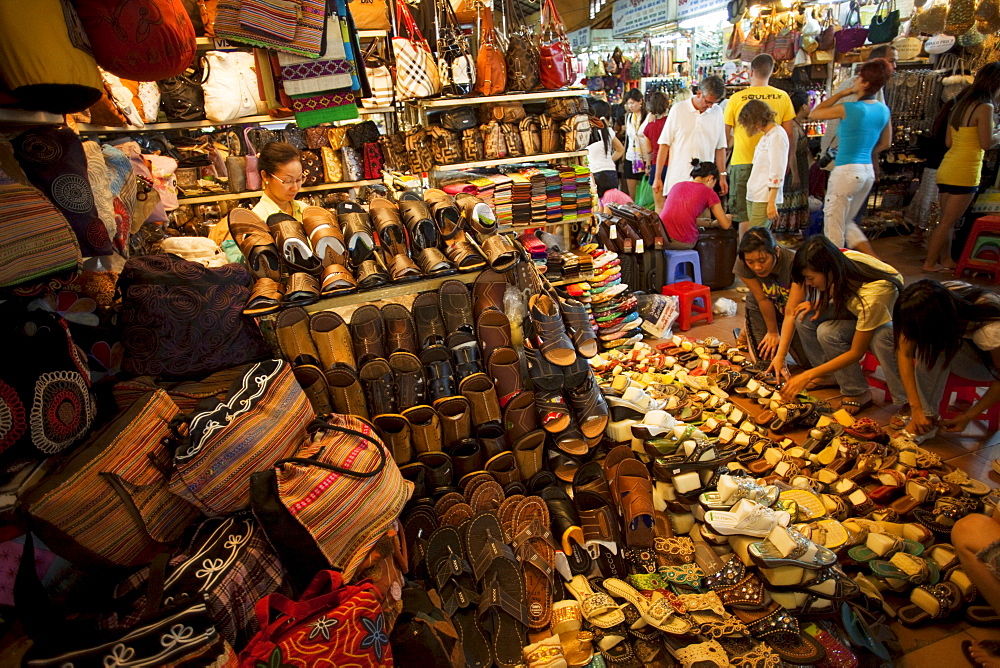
column 846, row 193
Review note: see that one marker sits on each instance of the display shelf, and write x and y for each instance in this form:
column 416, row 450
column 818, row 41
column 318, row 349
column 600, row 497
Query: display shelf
column 202, row 199
column 389, row 291
column 509, row 97
column 541, row 157
column 555, row 223
column 25, row 117
column 372, row 34
column 187, row 125
column 376, row 110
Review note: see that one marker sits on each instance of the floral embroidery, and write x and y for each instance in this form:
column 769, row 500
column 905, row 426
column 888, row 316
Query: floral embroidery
column 70, row 306
column 322, row 627
column 273, row 661
column 376, row 638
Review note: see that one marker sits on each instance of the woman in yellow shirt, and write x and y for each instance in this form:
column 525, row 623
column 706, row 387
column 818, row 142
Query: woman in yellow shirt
column 971, row 132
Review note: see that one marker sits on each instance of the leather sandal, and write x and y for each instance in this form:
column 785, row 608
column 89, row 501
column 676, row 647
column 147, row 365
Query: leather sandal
column 578, row 327
column 367, row 333
column 301, row 289
column 378, row 382
column 477, row 215
column 464, row 253
column 533, row 545
column 456, row 419
column 425, row 428
column 632, row 490
column 438, row 371
column 332, row 338
column 337, row 280
column 401, row 268
column 565, row 524
column 519, row 416
column 410, row 383
column 487, row 292
column 481, row 393
column 451, row 573
column 292, row 243
column 504, row 366
column 265, row 298
column 434, row 263
column 357, row 230
column 372, row 273
column 467, row 457
column 528, row 451
column 313, row 384
column 400, row 330
column 346, row 394
column 590, row 407
column 325, row 237
column 456, row 306
column 419, row 221
column 292, row 329
column 395, row 431
column 550, row 331
column 444, row 211
column 254, row 238
column 465, row 351
column 388, row 225
column 493, row 331
column 500, row 252
column 552, row 411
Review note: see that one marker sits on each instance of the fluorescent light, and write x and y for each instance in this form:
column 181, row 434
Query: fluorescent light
column 710, row 19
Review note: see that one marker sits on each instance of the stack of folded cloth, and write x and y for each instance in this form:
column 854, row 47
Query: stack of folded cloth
column 503, row 198
column 537, row 195
column 584, row 198
column 553, row 195
column 520, row 198
column 567, row 176
column 486, row 186
column 537, row 250
column 613, row 305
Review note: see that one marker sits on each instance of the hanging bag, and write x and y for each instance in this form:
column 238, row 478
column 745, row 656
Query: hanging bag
column 522, row 53
column 230, row 86
column 885, row 23
column 735, row 45
column 379, row 77
column 416, row 72
column 256, row 139
column 36, row 240
column 555, row 54
column 491, row 69
column 751, row 46
column 456, row 65
column 852, row 36
column 961, row 17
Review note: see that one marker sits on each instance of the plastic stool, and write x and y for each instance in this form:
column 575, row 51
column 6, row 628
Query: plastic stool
column 987, row 225
column 869, row 363
column 676, row 259
column 967, row 390
column 687, row 292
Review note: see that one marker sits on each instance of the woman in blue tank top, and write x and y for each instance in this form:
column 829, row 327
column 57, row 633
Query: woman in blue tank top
column 862, row 135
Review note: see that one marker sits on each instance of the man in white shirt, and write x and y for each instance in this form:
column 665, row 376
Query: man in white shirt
column 694, row 129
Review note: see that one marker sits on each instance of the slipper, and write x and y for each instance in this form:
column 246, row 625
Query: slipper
column 780, row 630
column 533, row 545
column 484, row 540
column 981, row 615
column 859, row 632
column 598, row 608
column 660, row 613
column 502, row 613
column 450, row 571
column 858, row 406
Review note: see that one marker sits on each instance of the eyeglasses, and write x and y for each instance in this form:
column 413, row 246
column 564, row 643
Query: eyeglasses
column 298, row 181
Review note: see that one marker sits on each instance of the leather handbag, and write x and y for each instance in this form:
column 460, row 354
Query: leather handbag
column 555, row 56
column 827, row 40
column 262, row 419
column 108, row 502
column 522, row 55
column 491, row 68
column 445, row 145
column 562, row 108
column 379, row 76
column 181, row 97
column 208, row 9
column 512, row 139
column 551, row 136
column 576, row 132
column 333, row 168
column 418, row 150
column 473, row 145
column 493, row 141
column 309, row 505
column 852, row 35
column 331, row 624
column 511, row 112
column 416, row 70
column 531, row 135
column 230, row 86
column 42, row 242
column 370, row 14
column 885, row 23
column 180, row 319
column 316, row 137
column 312, row 167
column 456, row 65
column 458, row 119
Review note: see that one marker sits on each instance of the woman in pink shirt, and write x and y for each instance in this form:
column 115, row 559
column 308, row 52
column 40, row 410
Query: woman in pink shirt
column 686, row 201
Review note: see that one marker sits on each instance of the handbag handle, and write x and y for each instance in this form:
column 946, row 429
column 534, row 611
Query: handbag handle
column 319, row 424
column 325, row 590
column 411, row 29
column 855, row 11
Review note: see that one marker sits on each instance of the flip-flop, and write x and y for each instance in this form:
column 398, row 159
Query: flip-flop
column 503, row 611
column 533, row 544
column 450, row 571
column 981, row 615
column 858, row 406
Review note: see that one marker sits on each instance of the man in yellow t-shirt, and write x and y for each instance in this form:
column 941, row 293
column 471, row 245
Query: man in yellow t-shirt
column 743, row 145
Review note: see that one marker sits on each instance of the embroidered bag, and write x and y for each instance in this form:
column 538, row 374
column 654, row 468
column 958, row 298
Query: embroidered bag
column 35, row 239
column 108, row 502
column 752, row 44
column 961, row 17
column 312, row 167
column 735, row 44
column 354, row 164
column 309, row 27
column 315, row 507
column 333, row 168
column 331, row 624
column 262, row 419
column 180, row 319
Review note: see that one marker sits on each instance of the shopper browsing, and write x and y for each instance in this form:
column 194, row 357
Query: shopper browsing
column 766, row 269
column 765, row 185
column 841, row 305
column 604, row 150
column 964, row 340
column 686, row 201
column 633, row 168
column 863, row 133
column 695, row 129
column 972, row 131
column 652, row 128
column 281, row 177
column 743, row 144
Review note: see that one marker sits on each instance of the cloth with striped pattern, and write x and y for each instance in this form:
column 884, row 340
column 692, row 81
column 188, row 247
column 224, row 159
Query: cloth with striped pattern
column 262, row 420
column 332, row 70
column 309, row 25
column 109, row 502
column 35, row 238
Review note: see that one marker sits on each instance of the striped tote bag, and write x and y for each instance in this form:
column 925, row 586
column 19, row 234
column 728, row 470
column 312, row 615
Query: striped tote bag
column 416, row 69
column 262, row 420
column 35, row 238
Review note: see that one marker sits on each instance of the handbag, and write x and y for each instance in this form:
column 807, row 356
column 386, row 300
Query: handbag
column 971, row 38
column 262, row 419
column 735, row 44
column 785, row 42
column 230, row 86
column 309, row 507
column 312, row 167
column 561, row 108
column 752, row 45
column 333, row 168
column 256, row 139
column 555, row 56
column 493, row 141
column 208, row 9
column 827, row 39
column 521, row 56
column 852, row 35
column 337, row 136
column 379, row 77
column 445, row 145
column 370, row 14
column 961, row 17
column 40, row 244
column 418, row 150
column 511, row 112
column 331, row 624
column 491, row 69
column 930, row 21
column 416, row 72
column 359, row 134
column 512, row 139
column 988, row 16
column 202, row 250
column 531, row 135
column 316, row 137
column 268, row 25
column 473, row 145
column 354, row 165
column 456, row 65
column 458, row 119
column 181, row 319
column 885, row 24
column 551, row 136
column 108, row 502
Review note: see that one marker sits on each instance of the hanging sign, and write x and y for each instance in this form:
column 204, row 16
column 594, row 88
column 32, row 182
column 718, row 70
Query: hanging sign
column 687, row 9
column 629, row 16
column 579, row 39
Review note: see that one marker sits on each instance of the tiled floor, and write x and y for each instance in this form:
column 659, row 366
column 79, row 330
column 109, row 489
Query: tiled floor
column 972, row 451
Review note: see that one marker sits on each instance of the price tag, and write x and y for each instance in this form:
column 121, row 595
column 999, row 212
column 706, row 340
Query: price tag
column 639, row 246
column 614, row 232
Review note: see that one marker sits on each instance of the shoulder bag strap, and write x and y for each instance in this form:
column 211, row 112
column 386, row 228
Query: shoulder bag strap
column 331, row 467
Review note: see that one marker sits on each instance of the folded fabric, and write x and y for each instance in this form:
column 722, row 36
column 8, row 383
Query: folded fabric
column 331, row 71
column 456, row 188
column 309, row 28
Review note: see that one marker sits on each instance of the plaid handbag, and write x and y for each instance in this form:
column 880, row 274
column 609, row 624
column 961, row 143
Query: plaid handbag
column 331, row 624
column 108, row 502
column 331, row 502
column 262, row 420
column 416, row 71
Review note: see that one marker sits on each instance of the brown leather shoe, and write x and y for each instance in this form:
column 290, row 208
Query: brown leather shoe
column 332, row 338
column 465, row 354
column 505, row 368
column 487, row 292
column 550, row 332
column 314, row 385
column 325, row 236
column 418, row 474
column 493, row 330
column 481, row 393
column 467, row 457
column 456, row 307
column 377, row 380
column 346, row 394
column 411, row 387
column 456, row 419
column 293, row 244
column 395, row 431
column 503, row 467
column 519, row 416
column 528, row 452
column 493, row 439
column 292, row 329
column 368, row 334
column 438, row 370
column 425, row 428
column 400, row 332
column 427, row 317
column 440, row 472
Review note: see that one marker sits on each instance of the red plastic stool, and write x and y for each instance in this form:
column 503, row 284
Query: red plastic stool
column 869, row 363
column 985, row 225
column 967, row 390
column 687, row 292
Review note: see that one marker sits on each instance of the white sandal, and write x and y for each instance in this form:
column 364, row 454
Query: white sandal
column 747, row 518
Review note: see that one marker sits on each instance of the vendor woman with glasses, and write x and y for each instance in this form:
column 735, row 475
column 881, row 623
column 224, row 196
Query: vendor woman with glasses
column 280, row 168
